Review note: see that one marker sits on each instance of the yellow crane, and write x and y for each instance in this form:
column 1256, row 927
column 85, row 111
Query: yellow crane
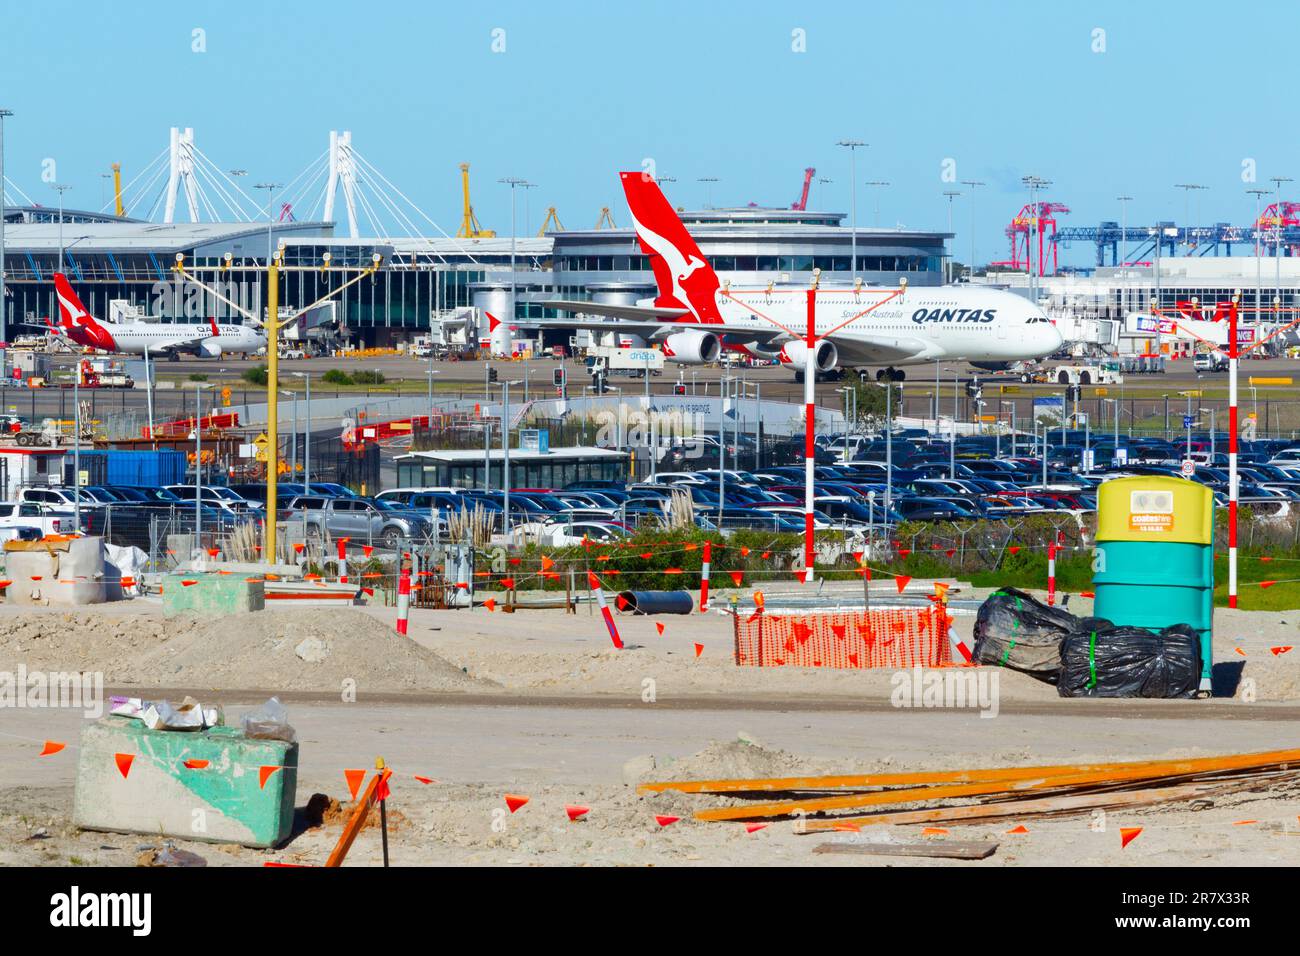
column 605, row 217
column 551, row 217
column 469, row 227
column 117, row 188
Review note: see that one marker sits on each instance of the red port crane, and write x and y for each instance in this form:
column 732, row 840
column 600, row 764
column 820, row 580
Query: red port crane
column 1041, row 217
column 802, row 203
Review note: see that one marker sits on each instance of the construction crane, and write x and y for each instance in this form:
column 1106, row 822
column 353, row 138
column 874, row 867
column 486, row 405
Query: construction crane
column 802, row 203
column 469, row 227
column 605, row 217
column 551, row 217
column 117, row 188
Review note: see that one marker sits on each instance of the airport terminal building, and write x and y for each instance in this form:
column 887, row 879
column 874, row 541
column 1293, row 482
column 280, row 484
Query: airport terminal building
column 424, row 281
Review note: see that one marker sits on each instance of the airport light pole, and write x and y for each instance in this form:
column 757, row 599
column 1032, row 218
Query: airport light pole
column 1277, row 182
column 852, row 146
column 1187, row 189
column 951, row 194
column 505, row 452
column 877, row 185
column 1259, row 281
column 3, row 309
column 972, row 184
column 306, row 434
column 198, row 467
column 270, row 214
column 1123, row 227
column 512, row 182
column 63, row 187
column 1033, row 184
column 707, row 180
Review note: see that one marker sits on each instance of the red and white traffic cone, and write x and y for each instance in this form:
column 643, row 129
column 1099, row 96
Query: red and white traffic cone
column 704, row 577
column 594, row 583
column 403, row 600
column 1051, row 573
column 343, row 561
column 961, row 652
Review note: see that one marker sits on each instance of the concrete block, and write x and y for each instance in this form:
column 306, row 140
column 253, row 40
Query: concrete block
column 223, row 802
column 66, row 573
column 211, row 594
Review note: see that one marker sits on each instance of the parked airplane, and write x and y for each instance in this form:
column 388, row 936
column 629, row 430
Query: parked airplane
column 156, row 338
column 695, row 315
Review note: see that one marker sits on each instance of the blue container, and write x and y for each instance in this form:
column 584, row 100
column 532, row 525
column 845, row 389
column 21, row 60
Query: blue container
column 656, row 602
column 146, row 469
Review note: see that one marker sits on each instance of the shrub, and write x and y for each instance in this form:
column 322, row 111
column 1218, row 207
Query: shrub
column 367, row 377
column 256, row 375
column 336, row 376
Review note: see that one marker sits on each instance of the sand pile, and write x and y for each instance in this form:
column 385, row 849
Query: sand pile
column 309, row 649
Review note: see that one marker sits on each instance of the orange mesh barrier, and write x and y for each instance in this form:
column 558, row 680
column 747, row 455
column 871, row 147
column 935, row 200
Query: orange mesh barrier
column 895, row 638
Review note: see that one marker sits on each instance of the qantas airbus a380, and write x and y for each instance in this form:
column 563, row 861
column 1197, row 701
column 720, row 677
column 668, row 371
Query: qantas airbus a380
column 695, row 316
column 156, row 338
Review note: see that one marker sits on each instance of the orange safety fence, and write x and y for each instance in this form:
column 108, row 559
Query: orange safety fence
column 895, row 638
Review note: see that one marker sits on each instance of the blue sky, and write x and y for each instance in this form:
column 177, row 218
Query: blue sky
column 1183, row 92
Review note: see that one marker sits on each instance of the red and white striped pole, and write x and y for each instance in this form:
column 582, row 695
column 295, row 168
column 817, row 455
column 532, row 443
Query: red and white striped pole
column 403, row 600
column 593, row 582
column 704, row 576
column 1051, row 573
column 1233, row 353
column 343, row 560
column 810, row 432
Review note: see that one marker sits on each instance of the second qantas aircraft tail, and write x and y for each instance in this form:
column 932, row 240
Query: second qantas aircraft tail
column 71, row 312
column 684, row 277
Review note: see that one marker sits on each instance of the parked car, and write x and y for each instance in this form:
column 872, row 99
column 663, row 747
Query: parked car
column 364, row 520
column 33, row 514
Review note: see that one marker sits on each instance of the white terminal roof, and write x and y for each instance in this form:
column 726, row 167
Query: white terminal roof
column 439, row 246
column 83, row 237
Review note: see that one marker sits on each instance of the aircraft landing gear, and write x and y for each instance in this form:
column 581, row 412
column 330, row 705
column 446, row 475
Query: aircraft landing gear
column 890, row 375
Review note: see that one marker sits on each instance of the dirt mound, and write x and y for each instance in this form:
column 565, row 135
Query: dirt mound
column 276, row 650
column 742, row 758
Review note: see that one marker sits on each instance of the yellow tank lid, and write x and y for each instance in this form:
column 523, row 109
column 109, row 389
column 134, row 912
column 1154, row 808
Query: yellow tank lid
column 1156, row 508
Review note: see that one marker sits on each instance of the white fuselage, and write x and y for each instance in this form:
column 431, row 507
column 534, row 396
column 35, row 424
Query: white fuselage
column 135, row 338
column 947, row 323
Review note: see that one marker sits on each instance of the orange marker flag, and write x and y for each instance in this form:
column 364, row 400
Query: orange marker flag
column 744, row 552
column 5, row 584
column 1087, row 594
column 1266, row 559
column 124, row 763
column 1277, row 651
column 904, row 551
column 1020, row 829
column 933, row 831
column 691, row 547
column 186, row 584
column 1267, row 584
column 664, row 820
column 354, row 778
column 547, row 563
column 699, row 649
column 490, row 604
column 51, row 747
column 766, row 555
column 196, row 764
column 514, row 801
column 839, row 630
column 951, row 552
column 758, row 599
column 1127, row 835
column 576, row 812
column 672, row 571
column 299, row 547
column 264, row 774
column 660, row 627
column 737, row 578
column 507, row 583
column 213, row 552
column 940, row 589
column 902, row 581
column 1014, row 549
column 755, row 827
column 424, row 780
column 1240, row 651
column 853, row 659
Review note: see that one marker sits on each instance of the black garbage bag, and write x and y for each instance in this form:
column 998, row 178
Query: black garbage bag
column 1014, row 630
column 1100, row 659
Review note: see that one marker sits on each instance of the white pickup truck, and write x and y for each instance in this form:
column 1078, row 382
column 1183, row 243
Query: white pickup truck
column 33, row 514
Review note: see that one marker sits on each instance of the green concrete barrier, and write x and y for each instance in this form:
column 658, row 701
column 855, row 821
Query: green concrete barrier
column 212, row 594
column 224, row 800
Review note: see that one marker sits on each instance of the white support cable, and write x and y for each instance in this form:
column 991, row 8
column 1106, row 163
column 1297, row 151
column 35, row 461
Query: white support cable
column 160, row 175
column 422, row 213
column 221, row 173
column 376, row 226
column 413, row 231
column 399, row 217
column 139, row 187
column 214, row 178
column 288, row 187
column 131, row 182
column 315, row 173
column 15, row 189
column 309, row 189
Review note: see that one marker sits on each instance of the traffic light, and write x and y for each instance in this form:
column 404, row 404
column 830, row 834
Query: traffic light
column 1073, row 393
column 559, row 377
column 598, row 380
column 492, row 374
column 973, row 388
column 679, row 388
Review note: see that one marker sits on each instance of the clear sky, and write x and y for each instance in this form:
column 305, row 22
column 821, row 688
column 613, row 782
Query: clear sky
column 1171, row 92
